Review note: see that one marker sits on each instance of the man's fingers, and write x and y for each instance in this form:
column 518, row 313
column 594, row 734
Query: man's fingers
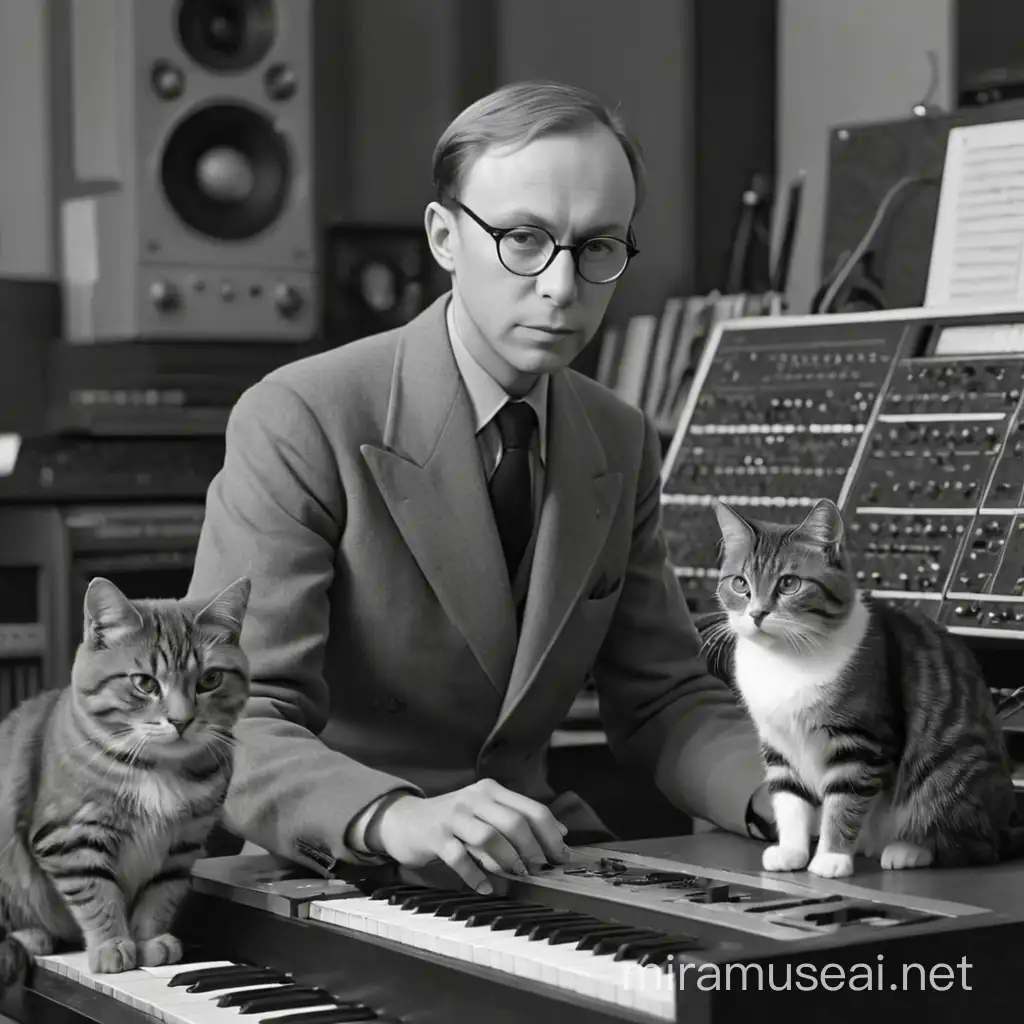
column 547, row 830
column 454, row 853
column 488, row 842
column 512, row 832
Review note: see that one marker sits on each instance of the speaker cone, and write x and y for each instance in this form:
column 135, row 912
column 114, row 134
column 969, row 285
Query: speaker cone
column 226, row 35
column 227, row 172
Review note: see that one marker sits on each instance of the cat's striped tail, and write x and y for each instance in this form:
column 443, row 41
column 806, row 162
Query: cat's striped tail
column 14, row 963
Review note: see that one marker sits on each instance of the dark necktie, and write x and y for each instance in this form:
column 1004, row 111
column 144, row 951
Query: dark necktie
column 511, row 493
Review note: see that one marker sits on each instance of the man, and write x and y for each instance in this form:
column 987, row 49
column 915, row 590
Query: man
column 448, row 532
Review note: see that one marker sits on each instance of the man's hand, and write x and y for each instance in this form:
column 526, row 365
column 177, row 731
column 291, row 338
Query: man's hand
column 483, row 825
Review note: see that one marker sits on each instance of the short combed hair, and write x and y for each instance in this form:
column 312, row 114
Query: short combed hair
column 516, row 114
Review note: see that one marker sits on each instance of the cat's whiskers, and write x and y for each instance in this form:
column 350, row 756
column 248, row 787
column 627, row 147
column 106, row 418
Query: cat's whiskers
column 718, row 635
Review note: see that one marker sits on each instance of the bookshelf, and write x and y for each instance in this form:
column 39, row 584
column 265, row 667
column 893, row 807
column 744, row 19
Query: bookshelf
column 651, row 359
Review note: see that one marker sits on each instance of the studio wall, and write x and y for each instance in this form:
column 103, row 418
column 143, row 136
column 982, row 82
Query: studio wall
column 636, row 56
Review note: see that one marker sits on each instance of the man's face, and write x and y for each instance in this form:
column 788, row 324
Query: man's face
column 578, row 186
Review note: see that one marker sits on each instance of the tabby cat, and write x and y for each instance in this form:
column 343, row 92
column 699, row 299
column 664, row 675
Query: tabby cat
column 109, row 787
column 878, row 733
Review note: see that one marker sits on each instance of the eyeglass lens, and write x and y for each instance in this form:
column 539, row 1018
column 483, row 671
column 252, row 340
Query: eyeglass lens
column 526, row 250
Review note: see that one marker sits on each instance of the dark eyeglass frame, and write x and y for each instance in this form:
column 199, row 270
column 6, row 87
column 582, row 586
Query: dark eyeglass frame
column 499, row 233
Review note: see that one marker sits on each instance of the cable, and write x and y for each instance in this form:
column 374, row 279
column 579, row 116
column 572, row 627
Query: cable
column 862, row 246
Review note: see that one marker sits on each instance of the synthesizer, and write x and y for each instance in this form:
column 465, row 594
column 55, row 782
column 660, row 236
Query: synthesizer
column 910, row 420
column 62, row 470
column 686, row 929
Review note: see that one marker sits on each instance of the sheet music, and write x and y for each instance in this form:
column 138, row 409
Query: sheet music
column 978, row 248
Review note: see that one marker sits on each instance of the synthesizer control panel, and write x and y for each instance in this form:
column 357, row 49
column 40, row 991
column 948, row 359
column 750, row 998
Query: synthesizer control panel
column 910, row 420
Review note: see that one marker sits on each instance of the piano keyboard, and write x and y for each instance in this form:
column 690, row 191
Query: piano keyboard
column 613, row 963
column 214, row 992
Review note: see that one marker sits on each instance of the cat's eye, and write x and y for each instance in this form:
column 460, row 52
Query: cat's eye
column 740, row 585
column 211, row 679
column 789, row 584
column 145, row 684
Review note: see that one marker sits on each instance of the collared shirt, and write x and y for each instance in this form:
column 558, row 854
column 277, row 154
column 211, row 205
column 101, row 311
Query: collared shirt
column 487, row 396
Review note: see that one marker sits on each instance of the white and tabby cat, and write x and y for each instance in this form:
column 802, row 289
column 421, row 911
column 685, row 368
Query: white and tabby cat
column 109, row 787
column 878, row 732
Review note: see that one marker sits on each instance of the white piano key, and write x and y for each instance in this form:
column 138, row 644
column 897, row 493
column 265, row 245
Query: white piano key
column 562, row 966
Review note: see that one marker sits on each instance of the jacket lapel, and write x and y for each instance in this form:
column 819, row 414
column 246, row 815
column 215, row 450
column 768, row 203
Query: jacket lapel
column 580, row 500
column 429, row 474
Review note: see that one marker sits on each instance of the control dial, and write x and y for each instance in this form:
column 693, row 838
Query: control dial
column 165, row 296
column 288, row 301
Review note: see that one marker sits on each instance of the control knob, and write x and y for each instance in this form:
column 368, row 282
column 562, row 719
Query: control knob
column 288, row 301
column 165, row 296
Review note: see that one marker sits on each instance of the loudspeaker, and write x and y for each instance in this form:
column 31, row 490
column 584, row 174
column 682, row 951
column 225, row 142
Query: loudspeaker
column 187, row 208
column 866, row 162
column 375, row 278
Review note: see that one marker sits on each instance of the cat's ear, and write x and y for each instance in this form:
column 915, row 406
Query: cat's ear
column 225, row 613
column 736, row 531
column 824, row 527
column 109, row 616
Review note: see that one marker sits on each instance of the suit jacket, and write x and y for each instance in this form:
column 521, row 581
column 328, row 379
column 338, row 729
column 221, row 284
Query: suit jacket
column 381, row 628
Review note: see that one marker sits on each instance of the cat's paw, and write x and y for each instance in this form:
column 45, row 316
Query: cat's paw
column 899, row 855
column 784, row 858
column 112, row 956
column 163, row 949
column 34, row 941
column 831, row 865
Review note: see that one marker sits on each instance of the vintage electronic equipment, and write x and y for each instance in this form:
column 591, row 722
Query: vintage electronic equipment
column 910, row 420
column 624, row 933
column 184, row 174
column 375, row 277
column 48, row 555
column 989, row 58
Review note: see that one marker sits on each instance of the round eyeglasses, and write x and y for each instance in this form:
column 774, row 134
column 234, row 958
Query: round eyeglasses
column 528, row 250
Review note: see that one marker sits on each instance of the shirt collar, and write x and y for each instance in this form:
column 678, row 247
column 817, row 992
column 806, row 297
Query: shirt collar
column 487, row 396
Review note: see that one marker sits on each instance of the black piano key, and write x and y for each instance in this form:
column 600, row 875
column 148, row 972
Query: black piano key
column 388, row 893
column 396, row 899
column 589, row 938
column 526, row 925
column 573, row 932
column 186, row 977
column 258, row 977
column 513, row 918
column 338, row 1016
column 427, row 903
column 237, row 998
column 462, row 912
column 487, row 915
column 662, row 956
column 382, row 892
column 448, row 906
column 545, row 929
column 254, row 976
column 609, row 942
column 631, row 949
column 288, row 999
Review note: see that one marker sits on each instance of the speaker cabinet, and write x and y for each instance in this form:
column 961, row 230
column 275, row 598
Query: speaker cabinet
column 187, row 212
